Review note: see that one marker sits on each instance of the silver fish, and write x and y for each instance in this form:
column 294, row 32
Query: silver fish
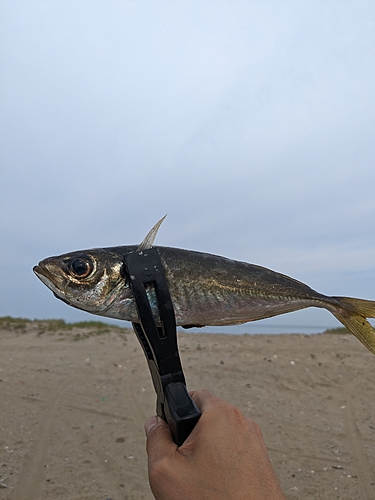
column 205, row 289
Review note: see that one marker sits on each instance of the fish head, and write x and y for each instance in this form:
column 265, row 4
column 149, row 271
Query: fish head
column 91, row 280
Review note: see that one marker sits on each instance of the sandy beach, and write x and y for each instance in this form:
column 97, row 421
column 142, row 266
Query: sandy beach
column 73, row 405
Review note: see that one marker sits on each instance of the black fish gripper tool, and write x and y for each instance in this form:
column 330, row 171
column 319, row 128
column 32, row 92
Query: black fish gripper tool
column 145, row 273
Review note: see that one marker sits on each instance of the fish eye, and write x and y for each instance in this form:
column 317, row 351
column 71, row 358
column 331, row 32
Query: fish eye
column 81, row 267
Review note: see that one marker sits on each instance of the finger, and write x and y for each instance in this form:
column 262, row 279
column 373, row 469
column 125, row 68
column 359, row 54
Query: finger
column 159, row 439
column 150, row 423
column 204, row 399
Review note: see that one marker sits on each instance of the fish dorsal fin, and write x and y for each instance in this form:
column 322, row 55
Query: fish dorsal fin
column 151, row 235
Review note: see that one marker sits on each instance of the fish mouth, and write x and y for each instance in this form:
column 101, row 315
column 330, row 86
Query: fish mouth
column 45, row 277
column 42, row 273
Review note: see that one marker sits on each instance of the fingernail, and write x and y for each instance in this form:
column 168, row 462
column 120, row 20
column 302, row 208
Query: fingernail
column 150, row 423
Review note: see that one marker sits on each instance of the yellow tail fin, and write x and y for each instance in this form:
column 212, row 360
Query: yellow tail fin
column 353, row 316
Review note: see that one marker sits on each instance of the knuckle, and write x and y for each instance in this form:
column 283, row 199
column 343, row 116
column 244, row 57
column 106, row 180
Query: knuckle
column 234, row 413
column 159, row 468
column 240, row 420
column 254, row 427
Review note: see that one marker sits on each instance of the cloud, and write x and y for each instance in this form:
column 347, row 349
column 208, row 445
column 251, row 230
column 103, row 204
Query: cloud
column 250, row 124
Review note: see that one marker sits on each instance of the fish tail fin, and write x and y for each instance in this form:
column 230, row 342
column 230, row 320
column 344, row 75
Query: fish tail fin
column 352, row 313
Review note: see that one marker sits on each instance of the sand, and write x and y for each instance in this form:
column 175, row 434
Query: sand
column 72, row 411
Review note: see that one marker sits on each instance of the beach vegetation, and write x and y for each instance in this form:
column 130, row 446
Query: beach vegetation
column 340, row 330
column 77, row 330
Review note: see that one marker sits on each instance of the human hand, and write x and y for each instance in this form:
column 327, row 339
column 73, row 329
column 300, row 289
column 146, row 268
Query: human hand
column 223, row 458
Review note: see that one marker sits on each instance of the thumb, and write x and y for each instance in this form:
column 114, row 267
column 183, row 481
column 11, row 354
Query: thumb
column 159, row 439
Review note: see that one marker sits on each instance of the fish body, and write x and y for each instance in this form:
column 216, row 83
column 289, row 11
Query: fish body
column 205, row 289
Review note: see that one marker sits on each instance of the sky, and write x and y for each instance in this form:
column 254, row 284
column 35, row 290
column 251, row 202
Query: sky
column 250, row 123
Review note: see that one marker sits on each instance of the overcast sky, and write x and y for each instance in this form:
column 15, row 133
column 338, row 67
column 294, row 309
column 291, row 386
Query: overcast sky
column 251, row 123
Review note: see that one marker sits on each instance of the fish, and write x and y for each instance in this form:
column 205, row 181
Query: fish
column 205, row 289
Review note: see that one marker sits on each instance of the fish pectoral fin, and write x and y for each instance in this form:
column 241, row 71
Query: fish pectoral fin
column 149, row 239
